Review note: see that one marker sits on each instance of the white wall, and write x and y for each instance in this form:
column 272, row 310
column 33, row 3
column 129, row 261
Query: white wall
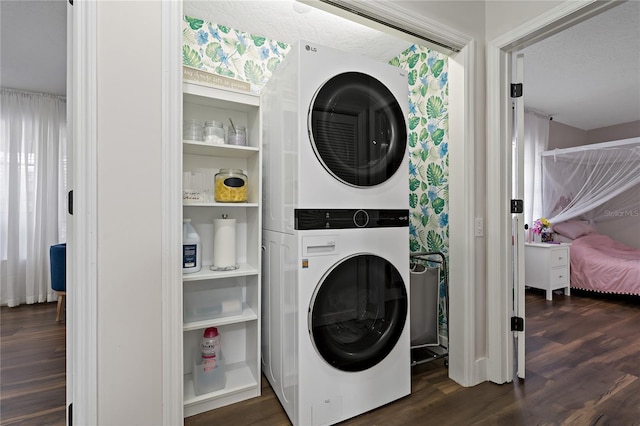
column 129, row 209
column 504, row 16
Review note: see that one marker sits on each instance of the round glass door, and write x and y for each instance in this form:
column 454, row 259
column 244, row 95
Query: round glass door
column 357, row 129
column 358, row 312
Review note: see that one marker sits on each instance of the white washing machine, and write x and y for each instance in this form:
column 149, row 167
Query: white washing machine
column 334, row 135
column 335, row 324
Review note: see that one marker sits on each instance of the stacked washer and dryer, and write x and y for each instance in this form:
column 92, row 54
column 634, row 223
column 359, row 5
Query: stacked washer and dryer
column 335, row 332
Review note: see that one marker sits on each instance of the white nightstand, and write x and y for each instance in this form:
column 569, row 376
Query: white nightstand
column 547, row 267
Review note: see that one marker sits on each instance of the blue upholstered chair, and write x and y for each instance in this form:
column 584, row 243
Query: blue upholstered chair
column 58, row 260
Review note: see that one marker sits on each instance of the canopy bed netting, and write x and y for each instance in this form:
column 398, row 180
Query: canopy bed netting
column 587, row 185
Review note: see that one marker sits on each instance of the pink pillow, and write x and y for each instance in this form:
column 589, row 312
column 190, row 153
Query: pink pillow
column 574, row 228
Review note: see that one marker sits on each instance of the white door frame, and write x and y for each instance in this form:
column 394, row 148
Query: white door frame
column 82, row 294
column 172, row 334
column 517, row 229
column 565, row 15
column 463, row 365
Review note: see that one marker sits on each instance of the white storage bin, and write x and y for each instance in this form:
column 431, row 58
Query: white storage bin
column 212, row 303
column 210, row 380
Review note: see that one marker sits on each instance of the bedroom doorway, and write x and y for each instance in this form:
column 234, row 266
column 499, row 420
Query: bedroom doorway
column 500, row 53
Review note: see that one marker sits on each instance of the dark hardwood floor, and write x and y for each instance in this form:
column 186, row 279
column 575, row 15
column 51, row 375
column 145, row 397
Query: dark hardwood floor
column 583, row 368
column 32, row 366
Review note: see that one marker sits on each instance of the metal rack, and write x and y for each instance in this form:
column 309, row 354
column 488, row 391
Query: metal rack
column 421, row 354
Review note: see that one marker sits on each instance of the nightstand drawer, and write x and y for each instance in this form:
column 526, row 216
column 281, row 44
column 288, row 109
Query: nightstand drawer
column 559, row 276
column 558, row 257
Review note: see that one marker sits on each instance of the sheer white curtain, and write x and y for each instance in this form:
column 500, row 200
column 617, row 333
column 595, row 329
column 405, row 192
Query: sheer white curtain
column 598, row 182
column 32, row 193
column 536, row 140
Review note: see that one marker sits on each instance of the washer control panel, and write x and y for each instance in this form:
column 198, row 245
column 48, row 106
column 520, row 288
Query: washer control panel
column 306, row 219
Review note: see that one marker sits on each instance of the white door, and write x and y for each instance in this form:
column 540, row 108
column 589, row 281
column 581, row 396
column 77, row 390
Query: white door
column 517, row 221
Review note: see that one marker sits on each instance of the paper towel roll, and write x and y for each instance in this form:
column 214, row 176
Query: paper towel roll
column 224, row 243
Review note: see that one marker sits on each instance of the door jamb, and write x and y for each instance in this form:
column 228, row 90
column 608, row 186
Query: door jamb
column 83, row 290
column 172, row 335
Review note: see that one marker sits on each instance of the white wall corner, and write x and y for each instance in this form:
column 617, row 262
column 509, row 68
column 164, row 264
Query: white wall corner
column 462, row 329
column 497, row 230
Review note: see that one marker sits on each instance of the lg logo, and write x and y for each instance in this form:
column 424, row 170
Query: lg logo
column 312, row 49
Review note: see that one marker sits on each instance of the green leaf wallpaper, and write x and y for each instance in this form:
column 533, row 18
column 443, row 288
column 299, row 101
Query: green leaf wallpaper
column 230, row 53
column 224, row 51
column 428, row 155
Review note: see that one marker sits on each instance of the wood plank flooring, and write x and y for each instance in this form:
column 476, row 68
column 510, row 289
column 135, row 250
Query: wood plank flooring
column 32, row 366
column 583, row 368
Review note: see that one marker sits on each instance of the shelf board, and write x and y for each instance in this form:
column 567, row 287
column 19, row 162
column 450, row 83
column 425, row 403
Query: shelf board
column 239, row 379
column 247, row 314
column 207, row 274
column 220, row 205
column 223, row 150
column 214, row 96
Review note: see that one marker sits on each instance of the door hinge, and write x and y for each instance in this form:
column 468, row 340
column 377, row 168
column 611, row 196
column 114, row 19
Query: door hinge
column 517, row 324
column 516, row 90
column 517, row 206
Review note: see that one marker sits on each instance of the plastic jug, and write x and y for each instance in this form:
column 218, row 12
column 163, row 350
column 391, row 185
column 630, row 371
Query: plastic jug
column 191, row 248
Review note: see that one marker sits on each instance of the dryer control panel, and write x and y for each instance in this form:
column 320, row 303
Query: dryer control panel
column 306, row 219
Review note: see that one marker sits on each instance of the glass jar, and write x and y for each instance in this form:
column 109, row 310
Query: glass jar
column 192, row 130
column 213, row 132
column 237, row 136
column 230, row 186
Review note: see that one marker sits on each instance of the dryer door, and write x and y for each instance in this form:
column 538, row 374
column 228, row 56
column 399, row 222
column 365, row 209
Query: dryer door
column 357, row 129
column 358, row 312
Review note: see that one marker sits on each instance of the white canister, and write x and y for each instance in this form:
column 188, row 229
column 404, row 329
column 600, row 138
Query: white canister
column 224, row 244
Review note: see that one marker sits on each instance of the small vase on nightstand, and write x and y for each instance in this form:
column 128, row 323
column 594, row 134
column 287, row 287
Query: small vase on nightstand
column 546, row 237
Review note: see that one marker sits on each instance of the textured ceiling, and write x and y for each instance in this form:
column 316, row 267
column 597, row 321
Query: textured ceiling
column 588, row 76
column 33, row 45
column 288, row 21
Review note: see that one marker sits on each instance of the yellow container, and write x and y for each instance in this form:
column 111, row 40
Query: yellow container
column 231, row 186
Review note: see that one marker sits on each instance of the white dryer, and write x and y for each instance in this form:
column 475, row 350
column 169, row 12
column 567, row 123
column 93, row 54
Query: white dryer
column 335, row 324
column 334, row 135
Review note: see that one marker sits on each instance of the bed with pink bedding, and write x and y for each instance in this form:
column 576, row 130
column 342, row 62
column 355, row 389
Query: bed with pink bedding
column 601, row 264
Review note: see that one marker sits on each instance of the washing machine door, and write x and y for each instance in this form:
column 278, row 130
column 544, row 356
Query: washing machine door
column 358, row 312
column 357, row 129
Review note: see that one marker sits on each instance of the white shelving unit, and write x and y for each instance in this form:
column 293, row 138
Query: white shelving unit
column 240, row 334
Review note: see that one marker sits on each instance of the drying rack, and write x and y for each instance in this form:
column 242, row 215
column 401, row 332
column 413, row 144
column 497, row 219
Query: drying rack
column 421, row 354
